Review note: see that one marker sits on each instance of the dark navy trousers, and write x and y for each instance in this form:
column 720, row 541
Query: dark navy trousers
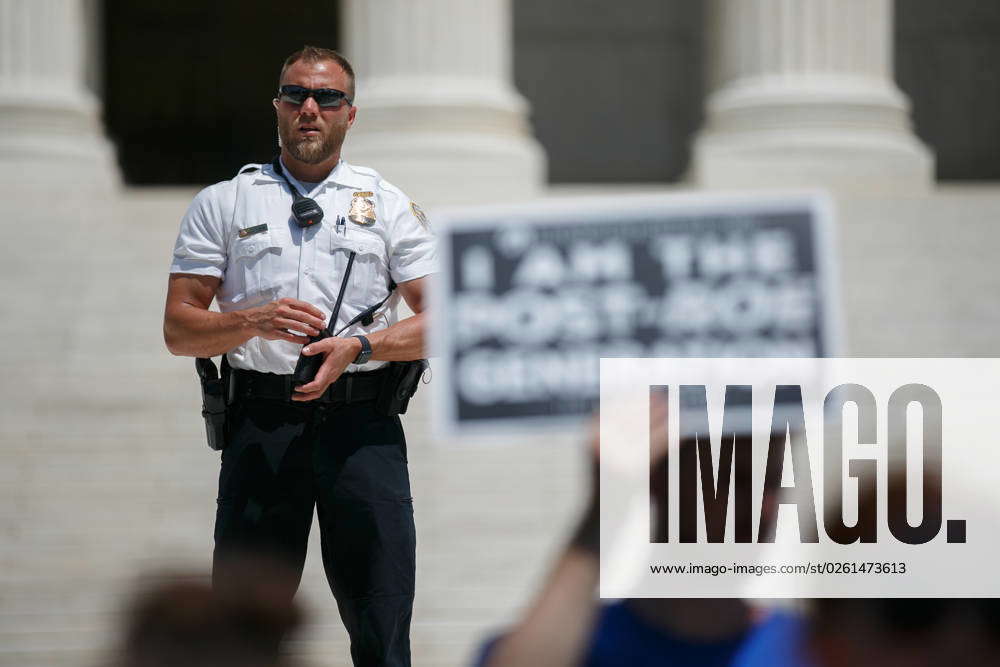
column 284, row 458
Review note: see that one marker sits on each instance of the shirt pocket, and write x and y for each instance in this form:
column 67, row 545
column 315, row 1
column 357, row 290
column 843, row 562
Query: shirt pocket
column 254, row 262
column 368, row 271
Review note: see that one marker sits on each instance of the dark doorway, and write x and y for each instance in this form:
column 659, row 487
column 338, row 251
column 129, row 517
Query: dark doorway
column 616, row 89
column 188, row 85
column 948, row 62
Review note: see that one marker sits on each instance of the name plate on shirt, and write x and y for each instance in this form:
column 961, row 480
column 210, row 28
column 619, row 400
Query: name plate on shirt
column 532, row 296
column 250, row 231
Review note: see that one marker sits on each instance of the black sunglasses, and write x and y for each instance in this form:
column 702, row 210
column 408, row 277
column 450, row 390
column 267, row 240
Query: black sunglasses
column 325, row 97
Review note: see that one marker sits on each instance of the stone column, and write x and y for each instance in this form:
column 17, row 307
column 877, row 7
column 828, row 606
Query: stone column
column 437, row 111
column 50, row 128
column 803, row 94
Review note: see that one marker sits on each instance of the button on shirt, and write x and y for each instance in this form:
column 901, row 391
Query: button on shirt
column 242, row 231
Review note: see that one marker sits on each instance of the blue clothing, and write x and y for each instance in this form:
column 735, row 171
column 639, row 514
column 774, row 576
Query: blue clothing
column 622, row 638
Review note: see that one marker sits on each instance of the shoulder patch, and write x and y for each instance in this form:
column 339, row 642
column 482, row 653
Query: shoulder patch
column 249, row 170
column 419, row 214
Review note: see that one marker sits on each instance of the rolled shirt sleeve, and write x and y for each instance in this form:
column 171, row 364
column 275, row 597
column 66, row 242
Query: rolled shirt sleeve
column 201, row 244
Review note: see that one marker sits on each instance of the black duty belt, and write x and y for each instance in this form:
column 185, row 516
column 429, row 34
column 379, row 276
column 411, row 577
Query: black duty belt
column 349, row 387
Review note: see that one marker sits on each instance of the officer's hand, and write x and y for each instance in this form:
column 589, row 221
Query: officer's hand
column 338, row 353
column 279, row 320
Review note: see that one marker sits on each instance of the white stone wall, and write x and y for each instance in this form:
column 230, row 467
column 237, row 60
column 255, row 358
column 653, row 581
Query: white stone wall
column 106, row 476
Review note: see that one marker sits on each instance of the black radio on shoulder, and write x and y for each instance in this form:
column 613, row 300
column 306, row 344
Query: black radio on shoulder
column 305, row 210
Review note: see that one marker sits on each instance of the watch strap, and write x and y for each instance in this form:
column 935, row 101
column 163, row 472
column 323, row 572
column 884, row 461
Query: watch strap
column 366, row 350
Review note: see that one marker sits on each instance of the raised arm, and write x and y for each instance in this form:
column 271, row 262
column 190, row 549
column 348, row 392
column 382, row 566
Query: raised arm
column 558, row 628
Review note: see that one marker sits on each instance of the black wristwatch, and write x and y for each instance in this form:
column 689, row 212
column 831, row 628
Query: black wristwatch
column 366, row 350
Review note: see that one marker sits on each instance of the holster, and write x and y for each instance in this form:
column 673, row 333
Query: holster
column 401, row 381
column 214, row 395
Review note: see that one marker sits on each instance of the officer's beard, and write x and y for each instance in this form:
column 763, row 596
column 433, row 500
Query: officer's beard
column 311, row 150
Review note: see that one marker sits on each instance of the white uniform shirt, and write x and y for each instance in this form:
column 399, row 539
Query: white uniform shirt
column 222, row 235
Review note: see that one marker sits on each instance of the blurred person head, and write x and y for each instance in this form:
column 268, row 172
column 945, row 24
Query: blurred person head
column 308, row 132
column 741, row 477
column 904, row 631
column 181, row 621
column 699, row 619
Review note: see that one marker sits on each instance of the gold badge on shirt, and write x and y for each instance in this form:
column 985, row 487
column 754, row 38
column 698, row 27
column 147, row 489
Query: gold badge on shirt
column 362, row 209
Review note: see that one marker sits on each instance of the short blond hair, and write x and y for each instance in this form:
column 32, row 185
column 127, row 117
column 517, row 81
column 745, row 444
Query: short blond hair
column 315, row 54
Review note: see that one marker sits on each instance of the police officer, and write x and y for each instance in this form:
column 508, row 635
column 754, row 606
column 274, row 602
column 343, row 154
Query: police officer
column 277, row 279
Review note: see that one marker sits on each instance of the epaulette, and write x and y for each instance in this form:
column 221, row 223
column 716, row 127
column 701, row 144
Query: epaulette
column 364, row 171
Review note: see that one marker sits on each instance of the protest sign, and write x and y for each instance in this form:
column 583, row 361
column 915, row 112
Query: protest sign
column 530, row 297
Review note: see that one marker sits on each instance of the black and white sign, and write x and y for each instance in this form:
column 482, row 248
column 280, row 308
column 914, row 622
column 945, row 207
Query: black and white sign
column 531, row 297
